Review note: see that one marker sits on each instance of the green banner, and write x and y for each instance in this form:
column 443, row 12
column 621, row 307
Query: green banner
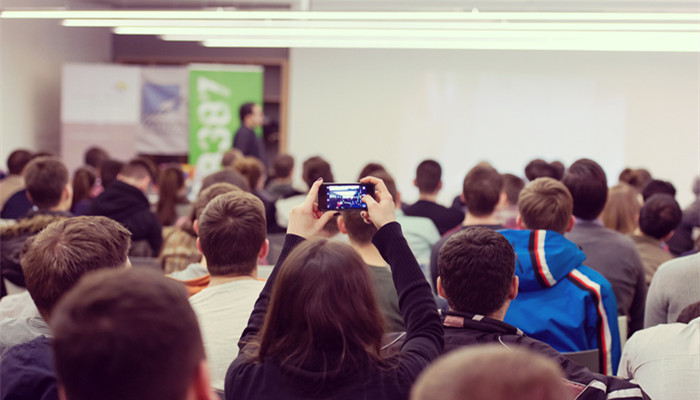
column 216, row 93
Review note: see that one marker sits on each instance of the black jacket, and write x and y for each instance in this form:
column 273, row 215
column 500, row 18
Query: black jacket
column 127, row 205
column 463, row 329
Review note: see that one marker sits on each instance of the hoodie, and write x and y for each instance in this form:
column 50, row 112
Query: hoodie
column 561, row 302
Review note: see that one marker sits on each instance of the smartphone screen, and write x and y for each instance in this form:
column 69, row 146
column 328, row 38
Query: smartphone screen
column 344, row 196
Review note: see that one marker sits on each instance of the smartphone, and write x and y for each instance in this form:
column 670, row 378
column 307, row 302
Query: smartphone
column 343, row 196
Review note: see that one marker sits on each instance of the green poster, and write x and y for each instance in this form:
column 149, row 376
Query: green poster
column 216, row 93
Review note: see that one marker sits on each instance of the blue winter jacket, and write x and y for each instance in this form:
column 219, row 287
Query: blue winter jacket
column 561, row 302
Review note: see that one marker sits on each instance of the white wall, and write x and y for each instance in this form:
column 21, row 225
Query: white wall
column 461, row 107
column 32, row 53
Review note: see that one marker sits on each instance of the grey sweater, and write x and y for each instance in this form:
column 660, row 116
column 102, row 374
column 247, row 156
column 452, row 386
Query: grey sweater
column 675, row 285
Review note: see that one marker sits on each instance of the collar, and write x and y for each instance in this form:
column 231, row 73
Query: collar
column 454, row 319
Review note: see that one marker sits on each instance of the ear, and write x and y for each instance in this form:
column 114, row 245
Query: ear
column 415, row 183
column 439, row 187
column 669, row 236
column 502, row 200
column 341, row 225
column 62, row 392
column 264, row 249
column 440, row 289
column 195, row 227
column 397, row 200
column 199, row 246
column 29, row 196
column 519, row 222
column 513, row 292
column 461, row 198
column 67, row 194
column 572, row 222
column 200, row 388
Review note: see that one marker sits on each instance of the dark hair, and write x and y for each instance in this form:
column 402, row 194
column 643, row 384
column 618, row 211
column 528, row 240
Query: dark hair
column 588, row 186
column 140, row 168
column 54, row 259
column 476, row 268
column 370, row 169
column 310, row 317
column 314, row 168
column 109, row 171
column 656, row 186
column 245, row 110
column 512, row 185
column 95, row 156
column 660, row 215
column 17, row 160
column 358, row 231
column 125, row 335
column 539, row 168
column 252, row 169
column 388, row 182
column 230, row 157
column 428, row 175
column 545, row 203
column 482, row 190
column 637, row 178
column 45, row 178
column 83, row 180
column 232, row 229
column 172, row 180
column 283, row 165
column 226, row 176
column 689, row 313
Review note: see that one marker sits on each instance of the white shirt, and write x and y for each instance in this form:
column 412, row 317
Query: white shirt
column 223, row 312
column 665, row 361
column 20, row 321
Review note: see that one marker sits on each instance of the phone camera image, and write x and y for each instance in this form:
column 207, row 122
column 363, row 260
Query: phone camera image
column 345, row 196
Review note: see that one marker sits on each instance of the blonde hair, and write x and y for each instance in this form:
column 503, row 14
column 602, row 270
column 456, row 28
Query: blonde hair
column 621, row 212
column 546, row 203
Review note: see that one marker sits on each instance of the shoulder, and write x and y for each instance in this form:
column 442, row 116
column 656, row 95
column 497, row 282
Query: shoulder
column 588, row 279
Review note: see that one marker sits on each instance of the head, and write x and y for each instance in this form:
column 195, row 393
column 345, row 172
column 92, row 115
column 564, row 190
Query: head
column 539, row 168
column 370, row 169
column 481, row 190
column 502, row 374
column 83, row 180
column 283, row 166
column 588, row 186
column 139, row 173
column 58, row 256
column 390, row 185
column 476, row 270
column 230, row 157
column 47, row 183
column 428, row 177
column 659, row 216
column 109, row 171
column 128, row 334
column 170, row 190
column 637, row 178
column 621, row 212
column 689, row 313
column 95, row 156
column 545, row 203
column 253, row 170
column 17, row 160
column 512, row 185
column 359, row 232
column 251, row 115
column 230, row 176
column 203, row 198
column 232, row 234
column 656, row 186
column 314, row 168
column 310, row 300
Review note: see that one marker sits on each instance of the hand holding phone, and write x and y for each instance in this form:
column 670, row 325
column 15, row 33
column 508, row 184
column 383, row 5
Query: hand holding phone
column 344, row 196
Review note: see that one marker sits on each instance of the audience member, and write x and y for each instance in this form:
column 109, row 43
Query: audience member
column 658, row 218
column 280, row 185
column 254, row 172
column 507, row 212
column 539, row 168
column 492, row 372
column 230, row 157
column 229, row 175
column 312, row 169
column 245, row 139
column 125, row 201
column 128, row 335
column 95, row 156
column 482, row 193
column 110, row 170
column 621, row 211
column 370, row 168
column 656, row 186
column 684, row 241
column 428, row 181
column 316, row 328
column 84, row 180
column 477, row 276
column 19, row 204
column 675, row 286
column 48, row 187
column 607, row 251
column 665, row 359
column 14, row 182
column 172, row 196
column 360, row 234
column 637, row 178
column 231, row 238
column 53, row 262
column 562, row 302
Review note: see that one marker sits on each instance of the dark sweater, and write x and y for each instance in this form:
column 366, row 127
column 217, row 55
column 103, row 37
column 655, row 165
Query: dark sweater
column 26, row 372
column 270, row 380
column 444, row 218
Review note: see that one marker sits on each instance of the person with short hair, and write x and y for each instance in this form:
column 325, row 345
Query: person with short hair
column 230, row 157
column 14, row 181
column 231, row 236
column 507, row 212
column 49, row 189
column 53, row 261
column 128, row 334
column 280, row 185
column 478, row 278
column 539, row 168
column 562, row 302
column 125, row 201
column 657, row 186
column 245, row 138
column 313, row 168
column 609, row 252
column 429, row 183
column 492, row 372
column 658, row 219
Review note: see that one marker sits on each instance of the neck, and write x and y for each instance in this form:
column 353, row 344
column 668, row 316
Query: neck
column 471, row 219
column 432, row 197
column 249, row 125
column 222, row 279
column 370, row 255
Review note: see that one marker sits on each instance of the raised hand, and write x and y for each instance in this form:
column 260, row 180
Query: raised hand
column 380, row 209
column 306, row 219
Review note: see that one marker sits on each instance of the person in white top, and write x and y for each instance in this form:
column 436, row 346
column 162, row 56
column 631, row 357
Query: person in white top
column 665, row 359
column 231, row 236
